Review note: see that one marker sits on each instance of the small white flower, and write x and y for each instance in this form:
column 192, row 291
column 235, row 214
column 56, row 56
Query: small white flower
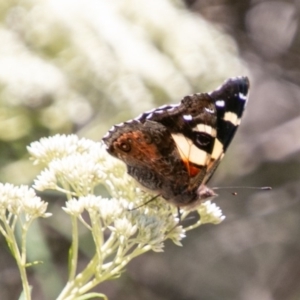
column 151, row 229
column 57, row 146
column 34, row 207
column 6, row 193
column 47, row 149
column 87, row 146
column 74, row 207
column 91, row 202
column 46, row 180
column 177, row 234
column 124, row 227
column 210, row 213
column 22, row 199
column 79, row 171
column 111, row 209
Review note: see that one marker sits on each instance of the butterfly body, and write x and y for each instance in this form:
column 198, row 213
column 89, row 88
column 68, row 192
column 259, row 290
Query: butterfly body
column 173, row 150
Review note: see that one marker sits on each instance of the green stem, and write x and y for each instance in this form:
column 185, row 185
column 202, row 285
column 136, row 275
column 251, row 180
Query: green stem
column 20, row 259
column 113, row 269
column 90, row 276
column 197, row 224
column 26, row 287
column 97, row 235
column 74, row 249
column 80, row 279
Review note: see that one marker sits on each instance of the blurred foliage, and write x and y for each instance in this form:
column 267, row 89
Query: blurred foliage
column 77, row 66
column 82, row 66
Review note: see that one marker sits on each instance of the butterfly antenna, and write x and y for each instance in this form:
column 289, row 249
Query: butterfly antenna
column 263, row 188
column 147, row 202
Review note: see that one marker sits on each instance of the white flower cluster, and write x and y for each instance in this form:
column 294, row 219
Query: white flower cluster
column 21, row 200
column 75, row 166
column 147, row 227
column 56, row 147
column 72, row 164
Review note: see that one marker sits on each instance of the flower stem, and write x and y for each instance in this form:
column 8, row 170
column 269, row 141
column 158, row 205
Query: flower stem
column 74, row 249
column 20, row 259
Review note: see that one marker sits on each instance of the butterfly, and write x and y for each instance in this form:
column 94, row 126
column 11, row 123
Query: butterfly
column 173, row 150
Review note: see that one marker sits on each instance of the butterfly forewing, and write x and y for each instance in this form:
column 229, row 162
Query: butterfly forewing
column 230, row 101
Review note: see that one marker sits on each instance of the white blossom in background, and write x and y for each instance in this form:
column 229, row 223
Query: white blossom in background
column 118, row 51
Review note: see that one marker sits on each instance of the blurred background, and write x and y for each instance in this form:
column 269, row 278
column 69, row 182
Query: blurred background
column 81, row 66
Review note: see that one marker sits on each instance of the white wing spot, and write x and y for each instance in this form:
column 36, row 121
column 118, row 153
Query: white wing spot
column 217, row 150
column 188, row 151
column 220, row 103
column 232, row 118
column 150, row 116
column 211, row 111
column 243, row 96
column 188, row 117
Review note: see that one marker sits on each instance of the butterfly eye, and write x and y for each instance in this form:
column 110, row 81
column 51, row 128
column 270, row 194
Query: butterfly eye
column 125, row 146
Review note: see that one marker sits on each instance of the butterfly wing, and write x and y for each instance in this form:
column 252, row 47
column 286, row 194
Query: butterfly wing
column 203, row 125
column 150, row 154
column 230, row 101
column 174, row 149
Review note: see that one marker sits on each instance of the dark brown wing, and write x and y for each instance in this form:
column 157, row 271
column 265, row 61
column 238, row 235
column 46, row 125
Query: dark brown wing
column 150, row 154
